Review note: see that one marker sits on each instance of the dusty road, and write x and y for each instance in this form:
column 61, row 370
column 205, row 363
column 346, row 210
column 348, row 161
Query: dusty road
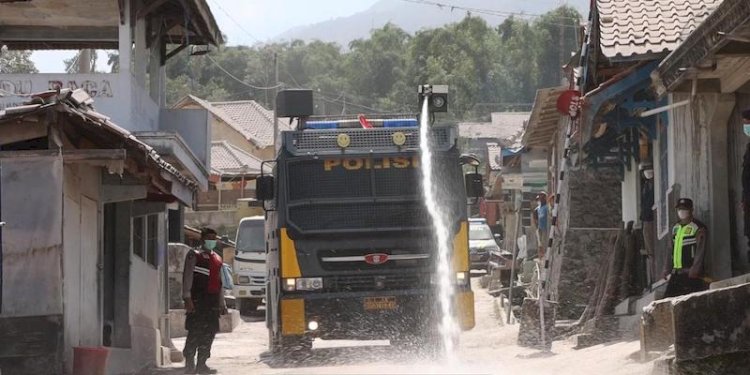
column 487, row 349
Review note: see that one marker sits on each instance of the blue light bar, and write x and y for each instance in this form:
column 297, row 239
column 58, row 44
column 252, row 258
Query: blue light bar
column 322, row 124
column 350, row 124
column 400, row 123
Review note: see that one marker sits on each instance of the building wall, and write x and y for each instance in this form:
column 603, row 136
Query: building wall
column 700, row 160
column 31, row 317
column 738, row 142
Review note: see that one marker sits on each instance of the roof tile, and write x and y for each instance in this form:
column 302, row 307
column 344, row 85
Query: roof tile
column 631, row 28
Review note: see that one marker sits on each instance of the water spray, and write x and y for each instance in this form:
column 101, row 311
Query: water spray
column 434, row 99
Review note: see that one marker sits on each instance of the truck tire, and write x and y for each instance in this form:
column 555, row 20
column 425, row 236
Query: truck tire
column 294, row 348
column 248, row 306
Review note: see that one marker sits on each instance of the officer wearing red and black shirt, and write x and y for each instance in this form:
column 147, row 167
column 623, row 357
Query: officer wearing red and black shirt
column 204, row 302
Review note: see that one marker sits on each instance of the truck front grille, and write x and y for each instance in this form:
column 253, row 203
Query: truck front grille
column 364, row 283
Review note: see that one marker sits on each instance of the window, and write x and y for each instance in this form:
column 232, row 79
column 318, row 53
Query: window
column 152, row 242
column 146, row 238
column 138, row 238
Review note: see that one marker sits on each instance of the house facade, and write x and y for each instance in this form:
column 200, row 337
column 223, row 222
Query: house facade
column 95, row 173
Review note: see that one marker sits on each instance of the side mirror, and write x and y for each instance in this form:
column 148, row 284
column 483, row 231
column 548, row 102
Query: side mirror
column 474, row 186
column 264, row 187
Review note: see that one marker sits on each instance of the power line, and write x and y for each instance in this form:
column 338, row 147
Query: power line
column 241, row 81
column 235, row 22
column 493, row 12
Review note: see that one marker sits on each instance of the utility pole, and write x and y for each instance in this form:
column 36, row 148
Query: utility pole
column 275, row 93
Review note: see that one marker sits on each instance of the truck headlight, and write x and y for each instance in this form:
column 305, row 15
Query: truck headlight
column 303, row 283
column 462, row 278
column 290, row 285
column 244, row 280
column 309, row 283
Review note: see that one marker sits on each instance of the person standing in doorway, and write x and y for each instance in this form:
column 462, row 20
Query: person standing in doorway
column 684, row 266
column 542, row 216
column 647, row 221
column 204, row 302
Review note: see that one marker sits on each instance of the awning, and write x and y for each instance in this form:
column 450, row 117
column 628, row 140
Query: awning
column 544, row 117
column 726, row 30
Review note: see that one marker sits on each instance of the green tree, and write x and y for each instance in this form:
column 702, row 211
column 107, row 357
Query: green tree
column 16, row 62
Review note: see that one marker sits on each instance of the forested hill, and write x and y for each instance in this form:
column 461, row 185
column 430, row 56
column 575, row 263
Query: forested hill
column 489, row 68
column 415, row 15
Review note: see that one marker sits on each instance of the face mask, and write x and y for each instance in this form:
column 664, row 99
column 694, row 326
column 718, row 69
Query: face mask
column 746, row 129
column 648, row 174
column 683, row 214
column 209, row 244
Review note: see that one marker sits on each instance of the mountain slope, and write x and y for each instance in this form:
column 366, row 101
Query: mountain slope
column 412, row 17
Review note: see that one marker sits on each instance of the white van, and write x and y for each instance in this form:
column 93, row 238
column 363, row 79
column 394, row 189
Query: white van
column 250, row 264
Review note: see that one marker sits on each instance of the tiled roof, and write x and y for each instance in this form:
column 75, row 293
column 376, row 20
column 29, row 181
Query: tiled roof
column 505, row 126
column 732, row 17
column 248, row 117
column 228, row 159
column 641, row 29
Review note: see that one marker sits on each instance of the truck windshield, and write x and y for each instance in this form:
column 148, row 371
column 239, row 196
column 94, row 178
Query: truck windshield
column 251, row 237
column 480, row 232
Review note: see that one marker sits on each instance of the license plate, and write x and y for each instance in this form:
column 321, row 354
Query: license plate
column 242, row 292
column 380, row 303
column 476, row 257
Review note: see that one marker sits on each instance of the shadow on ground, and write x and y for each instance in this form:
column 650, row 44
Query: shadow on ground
column 254, row 316
column 342, row 356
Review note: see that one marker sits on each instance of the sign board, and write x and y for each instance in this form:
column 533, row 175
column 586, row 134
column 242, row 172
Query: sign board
column 513, row 181
column 15, row 88
column 494, row 156
column 569, row 103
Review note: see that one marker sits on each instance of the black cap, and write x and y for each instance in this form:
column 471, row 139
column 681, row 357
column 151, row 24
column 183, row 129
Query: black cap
column 685, row 203
column 746, row 114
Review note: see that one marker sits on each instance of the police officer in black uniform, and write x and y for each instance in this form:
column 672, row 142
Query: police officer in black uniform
column 204, row 302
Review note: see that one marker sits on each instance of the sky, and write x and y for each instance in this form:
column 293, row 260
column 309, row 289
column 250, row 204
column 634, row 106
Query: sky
column 246, row 22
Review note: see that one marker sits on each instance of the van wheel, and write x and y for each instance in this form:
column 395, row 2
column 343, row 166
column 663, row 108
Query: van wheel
column 248, row 306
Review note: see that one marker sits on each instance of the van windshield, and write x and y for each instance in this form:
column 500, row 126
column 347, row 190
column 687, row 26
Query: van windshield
column 251, row 237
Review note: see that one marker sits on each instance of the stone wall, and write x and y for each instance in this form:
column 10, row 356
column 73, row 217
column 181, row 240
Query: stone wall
column 589, row 218
column 585, row 258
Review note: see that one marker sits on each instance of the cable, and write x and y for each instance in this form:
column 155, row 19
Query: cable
column 239, row 80
column 235, row 22
column 492, row 12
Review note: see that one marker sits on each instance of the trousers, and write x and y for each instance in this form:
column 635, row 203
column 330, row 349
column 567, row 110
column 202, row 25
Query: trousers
column 202, row 325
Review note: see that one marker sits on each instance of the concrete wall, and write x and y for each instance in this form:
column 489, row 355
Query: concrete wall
column 31, row 320
column 193, row 126
column 701, row 170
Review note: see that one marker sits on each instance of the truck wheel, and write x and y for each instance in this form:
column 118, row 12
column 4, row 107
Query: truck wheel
column 295, row 348
column 248, row 306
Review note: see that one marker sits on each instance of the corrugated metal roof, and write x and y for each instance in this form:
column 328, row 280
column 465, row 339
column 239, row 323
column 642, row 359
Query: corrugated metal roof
column 228, row 159
column 642, row 29
column 505, row 126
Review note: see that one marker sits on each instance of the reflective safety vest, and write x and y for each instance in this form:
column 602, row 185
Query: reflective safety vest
column 685, row 244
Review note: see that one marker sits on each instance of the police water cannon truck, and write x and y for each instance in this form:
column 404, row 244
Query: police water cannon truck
column 351, row 247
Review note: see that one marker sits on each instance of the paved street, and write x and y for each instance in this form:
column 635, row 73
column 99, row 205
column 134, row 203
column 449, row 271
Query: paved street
column 487, row 349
